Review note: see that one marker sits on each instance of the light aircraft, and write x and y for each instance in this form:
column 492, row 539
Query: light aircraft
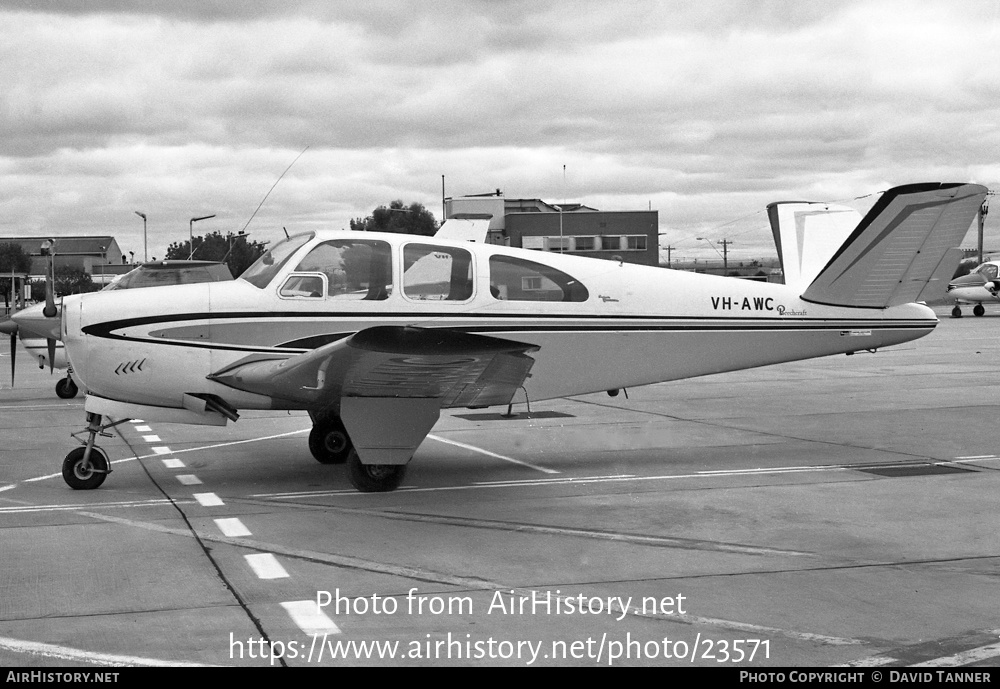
column 982, row 284
column 153, row 273
column 374, row 334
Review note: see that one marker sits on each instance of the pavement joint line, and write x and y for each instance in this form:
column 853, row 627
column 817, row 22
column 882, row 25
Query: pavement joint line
column 480, row 450
column 464, row 582
column 67, row 653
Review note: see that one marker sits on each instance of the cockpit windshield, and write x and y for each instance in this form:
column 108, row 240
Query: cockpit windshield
column 267, row 266
column 988, row 271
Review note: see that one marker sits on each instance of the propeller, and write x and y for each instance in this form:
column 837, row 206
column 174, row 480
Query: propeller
column 50, row 310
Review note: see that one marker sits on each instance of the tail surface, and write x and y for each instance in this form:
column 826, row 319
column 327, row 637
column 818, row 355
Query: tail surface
column 807, row 235
column 902, row 250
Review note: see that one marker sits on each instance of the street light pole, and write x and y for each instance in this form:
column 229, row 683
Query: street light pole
column 191, row 232
column 145, row 255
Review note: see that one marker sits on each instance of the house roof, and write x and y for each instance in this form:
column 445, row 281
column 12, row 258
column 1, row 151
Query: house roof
column 65, row 246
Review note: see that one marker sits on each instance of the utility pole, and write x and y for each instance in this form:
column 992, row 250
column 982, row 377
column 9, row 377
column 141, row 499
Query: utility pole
column 725, row 253
column 669, row 249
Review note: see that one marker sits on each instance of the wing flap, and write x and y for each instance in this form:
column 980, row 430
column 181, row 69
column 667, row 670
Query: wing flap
column 894, row 252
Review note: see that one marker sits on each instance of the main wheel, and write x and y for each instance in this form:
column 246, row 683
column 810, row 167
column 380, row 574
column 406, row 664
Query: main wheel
column 978, row 310
column 374, row 478
column 956, row 312
column 329, row 442
column 66, row 388
column 79, row 477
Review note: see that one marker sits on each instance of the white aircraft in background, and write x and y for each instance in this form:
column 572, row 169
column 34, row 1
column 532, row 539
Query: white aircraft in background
column 981, row 285
column 152, row 274
column 373, row 334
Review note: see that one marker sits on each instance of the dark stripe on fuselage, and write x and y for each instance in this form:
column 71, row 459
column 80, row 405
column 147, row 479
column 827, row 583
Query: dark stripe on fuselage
column 599, row 323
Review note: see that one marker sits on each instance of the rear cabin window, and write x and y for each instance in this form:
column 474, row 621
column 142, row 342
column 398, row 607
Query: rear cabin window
column 516, row 279
column 358, row 269
column 437, row 273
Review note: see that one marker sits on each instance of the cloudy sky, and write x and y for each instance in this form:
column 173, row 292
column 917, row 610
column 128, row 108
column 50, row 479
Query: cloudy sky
column 703, row 111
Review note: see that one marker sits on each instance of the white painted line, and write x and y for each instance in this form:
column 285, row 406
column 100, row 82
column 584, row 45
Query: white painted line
column 173, row 463
column 76, row 655
column 964, row 658
column 3, row 488
column 480, row 450
column 137, row 421
column 208, row 499
column 102, row 505
column 310, row 618
column 161, row 451
column 151, row 438
column 143, row 429
column 266, row 566
column 232, row 527
column 188, row 479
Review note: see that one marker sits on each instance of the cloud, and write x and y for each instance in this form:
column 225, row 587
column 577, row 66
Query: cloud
column 706, row 111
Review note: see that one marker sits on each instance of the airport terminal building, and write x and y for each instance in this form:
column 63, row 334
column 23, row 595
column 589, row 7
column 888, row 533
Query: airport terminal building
column 629, row 236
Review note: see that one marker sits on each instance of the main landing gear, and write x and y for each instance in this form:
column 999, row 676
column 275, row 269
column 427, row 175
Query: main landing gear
column 329, row 443
column 977, row 310
column 85, row 468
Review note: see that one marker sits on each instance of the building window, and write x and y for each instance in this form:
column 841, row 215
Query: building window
column 635, row 242
column 515, row 279
column 440, row 273
column 611, row 243
column 557, row 243
column 584, row 243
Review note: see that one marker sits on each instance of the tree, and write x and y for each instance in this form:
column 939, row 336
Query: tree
column 412, row 219
column 72, row 281
column 13, row 259
column 235, row 249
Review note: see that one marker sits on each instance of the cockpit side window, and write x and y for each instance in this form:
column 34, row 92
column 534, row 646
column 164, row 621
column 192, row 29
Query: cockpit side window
column 432, row 272
column 354, row 268
column 516, row 279
column 989, row 271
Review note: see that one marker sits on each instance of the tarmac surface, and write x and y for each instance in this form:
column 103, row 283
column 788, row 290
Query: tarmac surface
column 833, row 512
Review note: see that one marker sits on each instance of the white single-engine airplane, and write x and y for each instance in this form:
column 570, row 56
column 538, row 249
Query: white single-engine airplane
column 982, row 284
column 373, row 334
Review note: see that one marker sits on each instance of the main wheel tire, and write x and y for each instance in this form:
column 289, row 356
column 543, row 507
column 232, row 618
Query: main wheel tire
column 66, row 389
column 79, row 478
column 956, row 312
column 329, row 443
column 978, row 310
column 374, row 478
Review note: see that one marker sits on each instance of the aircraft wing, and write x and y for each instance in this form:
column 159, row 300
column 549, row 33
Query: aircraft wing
column 899, row 246
column 458, row 369
column 389, row 383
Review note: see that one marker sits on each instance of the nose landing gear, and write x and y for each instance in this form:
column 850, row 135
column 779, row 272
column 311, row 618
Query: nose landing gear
column 85, row 468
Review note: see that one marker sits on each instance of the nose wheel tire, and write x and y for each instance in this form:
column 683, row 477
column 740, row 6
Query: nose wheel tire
column 66, row 389
column 80, row 477
column 329, row 443
column 374, row 478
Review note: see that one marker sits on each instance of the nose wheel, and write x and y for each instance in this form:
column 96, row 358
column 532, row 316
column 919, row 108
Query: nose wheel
column 329, row 442
column 81, row 472
column 66, row 389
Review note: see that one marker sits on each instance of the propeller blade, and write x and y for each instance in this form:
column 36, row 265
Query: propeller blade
column 13, row 353
column 52, row 354
column 48, row 248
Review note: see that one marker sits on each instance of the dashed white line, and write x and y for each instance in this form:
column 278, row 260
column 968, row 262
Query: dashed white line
column 161, row 450
column 266, row 566
column 151, row 438
column 310, row 618
column 173, row 463
column 232, row 527
column 208, row 499
column 143, row 429
column 188, row 479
